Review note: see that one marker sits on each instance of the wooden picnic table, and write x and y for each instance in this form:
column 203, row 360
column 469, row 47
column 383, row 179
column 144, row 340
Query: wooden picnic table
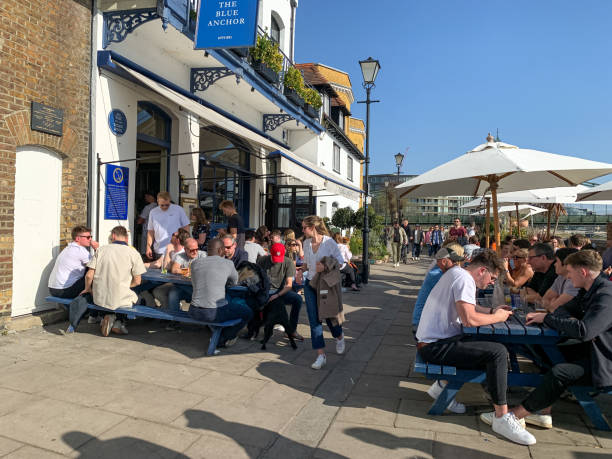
column 156, row 276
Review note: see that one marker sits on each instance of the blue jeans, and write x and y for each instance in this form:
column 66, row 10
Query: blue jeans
column 316, row 328
column 176, row 294
column 236, row 309
column 295, row 300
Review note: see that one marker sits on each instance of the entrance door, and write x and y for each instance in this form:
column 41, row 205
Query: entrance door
column 38, row 186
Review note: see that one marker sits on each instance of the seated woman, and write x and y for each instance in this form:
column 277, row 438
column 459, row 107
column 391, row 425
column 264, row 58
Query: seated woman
column 346, row 268
column 293, row 250
column 562, row 290
column 200, row 227
column 522, row 272
column 262, row 237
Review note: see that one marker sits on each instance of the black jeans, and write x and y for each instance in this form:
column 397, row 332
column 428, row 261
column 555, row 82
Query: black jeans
column 576, row 371
column 459, row 352
column 350, row 272
column 69, row 292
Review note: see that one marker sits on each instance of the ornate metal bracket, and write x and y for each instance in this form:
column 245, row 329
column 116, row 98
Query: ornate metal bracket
column 118, row 25
column 271, row 122
column 203, row 78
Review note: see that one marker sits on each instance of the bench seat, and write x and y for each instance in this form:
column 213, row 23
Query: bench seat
column 154, row 313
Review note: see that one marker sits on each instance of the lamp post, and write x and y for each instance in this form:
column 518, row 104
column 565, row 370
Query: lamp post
column 369, row 69
column 399, row 159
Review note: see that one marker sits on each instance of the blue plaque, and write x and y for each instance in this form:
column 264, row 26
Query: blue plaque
column 226, row 24
column 116, row 192
column 117, row 121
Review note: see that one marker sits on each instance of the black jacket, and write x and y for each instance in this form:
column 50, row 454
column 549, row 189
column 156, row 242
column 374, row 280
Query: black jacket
column 588, row 317
column 255, row 279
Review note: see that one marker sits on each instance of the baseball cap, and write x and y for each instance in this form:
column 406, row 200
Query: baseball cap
column 448, row 253
column 278, row 252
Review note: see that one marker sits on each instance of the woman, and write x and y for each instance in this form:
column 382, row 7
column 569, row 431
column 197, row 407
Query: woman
column 293, row 250
column 522, row 271
column 262, row 237
column 562, row 290
column 200, row 227
column 346, row 256
column 317, row 245
column 427, row 240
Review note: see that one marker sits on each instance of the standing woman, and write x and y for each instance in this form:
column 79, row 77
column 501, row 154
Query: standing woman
column 200, row 228
column 317, row 245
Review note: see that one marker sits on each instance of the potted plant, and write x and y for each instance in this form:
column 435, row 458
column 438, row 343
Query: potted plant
column 294, row 86
column 267, row 59
column 313, row 102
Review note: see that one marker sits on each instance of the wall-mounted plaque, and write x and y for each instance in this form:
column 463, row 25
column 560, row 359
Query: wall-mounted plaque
column 116, row 193
column 117, row 121
column 46, row 119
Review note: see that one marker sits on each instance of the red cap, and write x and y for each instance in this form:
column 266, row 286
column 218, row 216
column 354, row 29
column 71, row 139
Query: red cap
column 278, row 252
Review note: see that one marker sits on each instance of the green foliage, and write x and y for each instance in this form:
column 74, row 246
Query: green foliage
column 343, row 218
column 294, row 80
column 266, row 51
column 356, row 244
column 312, row 97
column 375, row 221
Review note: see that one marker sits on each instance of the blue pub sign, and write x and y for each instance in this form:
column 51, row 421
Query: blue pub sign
column 116, row 192
column 226, row 24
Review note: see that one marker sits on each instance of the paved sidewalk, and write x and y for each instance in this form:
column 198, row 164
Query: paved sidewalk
column 154, row 393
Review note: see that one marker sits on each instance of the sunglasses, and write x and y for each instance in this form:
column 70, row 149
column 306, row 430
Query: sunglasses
column 164, row 205
column 86, row 237
column 227, row 247
column 193, row 250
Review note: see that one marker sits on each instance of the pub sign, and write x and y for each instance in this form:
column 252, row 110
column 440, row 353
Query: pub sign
column 226, row 24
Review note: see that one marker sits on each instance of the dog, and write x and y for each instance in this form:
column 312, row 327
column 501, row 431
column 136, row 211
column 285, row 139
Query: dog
column 273, row 313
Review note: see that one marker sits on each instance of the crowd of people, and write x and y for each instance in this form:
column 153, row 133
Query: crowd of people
column 568, row 284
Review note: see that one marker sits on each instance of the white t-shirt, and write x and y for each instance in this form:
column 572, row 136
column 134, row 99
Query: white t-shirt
column 164, row 223
column 254, row 250
column 327, row 248
column 70, row 266
column 439, row 319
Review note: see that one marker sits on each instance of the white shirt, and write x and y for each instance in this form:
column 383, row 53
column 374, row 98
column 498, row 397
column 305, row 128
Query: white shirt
column 254, row 250
column 164, row 223
column 69, row 266
column 327, row 248
column 439, row 319
column 346, row 252
column 146, row 210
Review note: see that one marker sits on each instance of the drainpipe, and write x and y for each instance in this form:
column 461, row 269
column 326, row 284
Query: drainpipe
column 90, row 165
column 294, row 4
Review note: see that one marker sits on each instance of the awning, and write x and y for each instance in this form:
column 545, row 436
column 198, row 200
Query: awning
column 204, row 113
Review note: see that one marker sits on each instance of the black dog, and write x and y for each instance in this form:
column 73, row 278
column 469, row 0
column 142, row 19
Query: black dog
column 273, row 313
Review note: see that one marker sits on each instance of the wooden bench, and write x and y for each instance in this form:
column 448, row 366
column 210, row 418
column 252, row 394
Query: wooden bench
column 153, row 313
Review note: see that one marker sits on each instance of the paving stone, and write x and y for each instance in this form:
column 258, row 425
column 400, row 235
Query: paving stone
column 137, row 438
column 23, row 379
column 31, row 452
column 161, row 373
column 7, row 445
column 399, row 340
column 400, row 330
column 412, row 414
column 567, row 429
column 340, row 382
column 391, row 387
column 547, row 451
column 11, row 400
column 284, row 448
column 227, row 363
column 44, row 423
column 358, row 441
column 369, row 410
column 391, row 360
column 290, row 375
column 364, row 348
column 311, row 423
column 275, row 397
column 451, row 446
column 226, row 386
column 378, row 327
column 208, row 447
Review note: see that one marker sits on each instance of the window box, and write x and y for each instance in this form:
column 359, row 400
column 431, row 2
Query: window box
column 311, row 111
column 266, row 72
column 293, row 96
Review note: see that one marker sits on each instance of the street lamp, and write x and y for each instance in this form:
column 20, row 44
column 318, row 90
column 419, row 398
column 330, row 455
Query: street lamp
column 399, row 159
column 369, row 69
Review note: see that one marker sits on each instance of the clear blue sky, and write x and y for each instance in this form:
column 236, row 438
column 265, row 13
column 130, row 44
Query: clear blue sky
column 451, row 71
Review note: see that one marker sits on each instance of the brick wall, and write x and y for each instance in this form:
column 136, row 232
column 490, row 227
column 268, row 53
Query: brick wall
column 45, row 49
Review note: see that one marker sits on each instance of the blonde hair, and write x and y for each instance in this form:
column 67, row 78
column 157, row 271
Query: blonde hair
column 289, row 234
column 316, row 222
column 227, row 204
column 199, row 215
column 164, row 195
column 338, row 238
column 455, row 247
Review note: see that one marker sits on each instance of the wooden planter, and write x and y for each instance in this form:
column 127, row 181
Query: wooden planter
column 311, row 111
column 266, row 72
column 293, row 96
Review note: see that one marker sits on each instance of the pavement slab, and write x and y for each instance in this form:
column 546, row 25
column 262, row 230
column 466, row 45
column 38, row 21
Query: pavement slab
column 7, row 445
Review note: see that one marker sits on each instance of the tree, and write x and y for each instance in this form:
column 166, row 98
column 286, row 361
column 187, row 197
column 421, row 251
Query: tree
column 374, row 220
column 343, row 218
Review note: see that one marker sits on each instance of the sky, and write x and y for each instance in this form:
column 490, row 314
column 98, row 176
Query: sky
column 539, row 71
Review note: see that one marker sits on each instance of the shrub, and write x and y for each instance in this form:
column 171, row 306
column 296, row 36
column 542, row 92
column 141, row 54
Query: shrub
column 312, row 97
column 266, row 51
column 294, row 80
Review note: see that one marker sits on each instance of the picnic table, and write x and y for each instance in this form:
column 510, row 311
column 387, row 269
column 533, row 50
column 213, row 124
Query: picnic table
column 157, row 277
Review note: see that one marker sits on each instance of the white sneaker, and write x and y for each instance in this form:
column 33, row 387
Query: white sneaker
column 340, row 345
column 318, row 364
column 436, row 389
column 280, row 328
column 509, row 426
column 540, row 420
column 487, row 418
column 119, row 328
column 93, row 320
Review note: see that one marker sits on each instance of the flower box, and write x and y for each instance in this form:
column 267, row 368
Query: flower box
column 311, row 111
column 293, row 96
column 266, row 72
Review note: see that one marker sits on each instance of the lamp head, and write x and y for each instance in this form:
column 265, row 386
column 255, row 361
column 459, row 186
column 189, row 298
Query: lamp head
column 399, row 158
column 369, row 69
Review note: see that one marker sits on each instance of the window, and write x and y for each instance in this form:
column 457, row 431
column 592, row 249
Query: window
column 326, row 104
column 341, row 120
column 275, row 30
column 336, row 162
column 335, row 207
column 349, row 167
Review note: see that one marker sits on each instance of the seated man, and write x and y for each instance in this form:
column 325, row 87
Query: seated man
column 451, row 304
column 281, row 272
column 562, row 290
column 587, row 318
column 67, row 279
column 209, row 277
column 252, row 248
column 113, row 271
column 542, row 260
column 181, row 265
column 232, row 251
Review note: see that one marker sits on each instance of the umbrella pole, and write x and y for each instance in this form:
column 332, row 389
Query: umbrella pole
column 488, row 222
column 548, row 222
column 495, row 216
column 557, row 214
column 518, row 228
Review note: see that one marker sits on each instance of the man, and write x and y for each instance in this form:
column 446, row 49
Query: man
column 472, row 245
column 252, row 248
column 164, row 220
column 143, row 218
column 281, row 272
column 417, row 242
column 67, row 279
column 437, row 238
column 451, row 304
column 542, row 260
column 577, row 241
column 587, row 318
column 232, row 251
column 458, row 232
column 471, row 231
column 235, row 224
column 398, row 239
column 607, row 259
column 113, row 271
column 405, row 247
column 183, row 260
column 209, row 276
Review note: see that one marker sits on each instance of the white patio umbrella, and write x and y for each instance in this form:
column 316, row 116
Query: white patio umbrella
column 500, row 167
column 598, row 193
column 524, row 209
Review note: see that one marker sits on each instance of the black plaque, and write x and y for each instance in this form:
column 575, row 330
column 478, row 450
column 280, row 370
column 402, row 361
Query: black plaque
column 47, row 119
